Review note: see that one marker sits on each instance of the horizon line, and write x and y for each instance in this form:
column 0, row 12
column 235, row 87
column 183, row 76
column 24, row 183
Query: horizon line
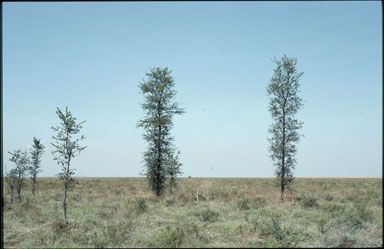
column 219, row 177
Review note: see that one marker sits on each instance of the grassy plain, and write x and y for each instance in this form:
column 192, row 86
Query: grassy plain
column 203, row 212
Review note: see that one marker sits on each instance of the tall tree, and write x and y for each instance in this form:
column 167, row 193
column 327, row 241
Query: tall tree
column 158, row 91
column 21, row 159
column 284, row 104
column 36, row 153
column 66, row 148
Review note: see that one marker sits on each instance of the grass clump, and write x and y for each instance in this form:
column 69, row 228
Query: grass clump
column 333, row 208
column 170, row 237
column 278, row 236
column 286, row 236
column 328, row 197
column 208, row 215
column 113, row 234
column 141, row 205
column 60, row 225
column 258, row 202
column 308, row 201
column 363, row 210
column 186, row 233
column 342, row 231
column 243, row 204
column 171, row 201
column 246, row 203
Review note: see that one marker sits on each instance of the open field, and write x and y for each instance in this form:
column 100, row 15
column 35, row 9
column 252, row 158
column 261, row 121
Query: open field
column 203, row 212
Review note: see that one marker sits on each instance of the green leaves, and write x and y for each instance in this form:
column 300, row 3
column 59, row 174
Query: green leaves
column 36, row 153
column 284, row 104
column 21, row 159
column 159, row 110
column 66, row 147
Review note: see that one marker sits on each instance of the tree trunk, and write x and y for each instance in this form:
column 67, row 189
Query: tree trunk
column 33, row 186
column 12, row 195
column 170, row 186
column 66, row 185
column 19, row 191
column 283, row 156
column 158, row 176
column 65, row 201
column 283, row 171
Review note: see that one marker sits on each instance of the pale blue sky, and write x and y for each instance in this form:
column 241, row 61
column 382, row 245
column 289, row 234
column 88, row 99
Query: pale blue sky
column 91, row 56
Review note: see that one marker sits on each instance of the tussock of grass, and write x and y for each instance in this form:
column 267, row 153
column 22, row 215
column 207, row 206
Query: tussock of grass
column 203, row 212
column 308, row 201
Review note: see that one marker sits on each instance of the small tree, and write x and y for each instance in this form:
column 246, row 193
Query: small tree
column 159, row 93
column 284, row 104
column 20, row 158
column 36, row 153
column 173, row 169
column 66, row 148
column 11, row 180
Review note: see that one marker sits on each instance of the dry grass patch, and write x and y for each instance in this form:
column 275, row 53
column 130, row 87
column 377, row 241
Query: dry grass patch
column 203, row 212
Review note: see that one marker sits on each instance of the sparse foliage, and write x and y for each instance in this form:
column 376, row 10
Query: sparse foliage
column 11, row 180
column 66, row 148
column 21, row 159
column 158, row 93
column 173, row 169
column 284, row 104
column 36, row 153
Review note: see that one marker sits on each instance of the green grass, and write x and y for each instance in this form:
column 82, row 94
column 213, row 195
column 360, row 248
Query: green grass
column 203, row 212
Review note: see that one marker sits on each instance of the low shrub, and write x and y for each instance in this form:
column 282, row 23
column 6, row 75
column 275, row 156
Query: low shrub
column 208, row 215
column 141, row 205
column 60, row 225
column 170, row 237
column 363, row 210
column 118, row 232
column 342, row 231
column 243, row 204
column 112, row 234
column 224, row 195
column 170, row 201
column 328, row 197
column 307, row 201
column 277, row 235
column 321, row 223
column 188, row 232
column 98, row 240
column 333, row 208
column 258, row 202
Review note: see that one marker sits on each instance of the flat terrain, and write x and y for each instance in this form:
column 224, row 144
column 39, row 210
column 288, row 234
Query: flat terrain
column 202, row 212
